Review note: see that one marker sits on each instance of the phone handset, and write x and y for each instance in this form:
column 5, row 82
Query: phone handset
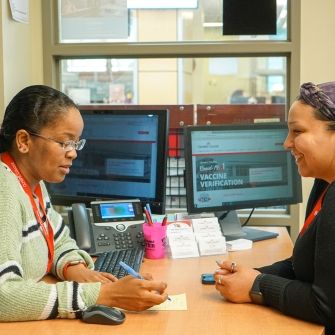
column 104, row 227
column 82, row 227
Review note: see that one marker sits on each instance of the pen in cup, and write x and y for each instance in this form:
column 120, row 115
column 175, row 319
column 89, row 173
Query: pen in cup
column 164, row 222
column 148, row 217
column 132, row 272
column 147, row 206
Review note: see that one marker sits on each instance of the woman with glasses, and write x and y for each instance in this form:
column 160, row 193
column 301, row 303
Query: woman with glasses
column 39, row 139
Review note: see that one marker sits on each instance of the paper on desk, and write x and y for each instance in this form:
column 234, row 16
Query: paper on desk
column 178, row 303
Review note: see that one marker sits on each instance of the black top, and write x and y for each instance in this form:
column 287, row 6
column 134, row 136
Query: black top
column 303, row 286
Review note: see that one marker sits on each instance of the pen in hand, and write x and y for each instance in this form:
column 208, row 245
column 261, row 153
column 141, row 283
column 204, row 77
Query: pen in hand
column 132, row 272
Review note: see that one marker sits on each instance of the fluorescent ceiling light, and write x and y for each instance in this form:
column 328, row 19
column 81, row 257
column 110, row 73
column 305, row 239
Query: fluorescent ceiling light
column 212, row 24
column 161, row 4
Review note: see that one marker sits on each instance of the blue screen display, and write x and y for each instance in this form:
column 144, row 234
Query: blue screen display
column 117, row 210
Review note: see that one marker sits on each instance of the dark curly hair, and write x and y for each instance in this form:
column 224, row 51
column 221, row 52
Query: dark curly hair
column 32, row 108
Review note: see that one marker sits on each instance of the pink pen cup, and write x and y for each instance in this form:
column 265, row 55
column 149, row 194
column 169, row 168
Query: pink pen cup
column 155, row 240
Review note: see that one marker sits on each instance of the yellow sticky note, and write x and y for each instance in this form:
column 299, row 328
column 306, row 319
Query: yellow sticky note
column 178, row 303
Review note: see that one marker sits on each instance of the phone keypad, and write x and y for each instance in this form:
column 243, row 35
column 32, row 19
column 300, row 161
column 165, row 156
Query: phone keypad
column 107, row 238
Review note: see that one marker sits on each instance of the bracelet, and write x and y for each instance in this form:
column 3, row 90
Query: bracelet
column 67, row 265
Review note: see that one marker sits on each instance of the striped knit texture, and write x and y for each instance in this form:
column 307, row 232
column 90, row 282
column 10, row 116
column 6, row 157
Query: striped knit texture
column 24, row 257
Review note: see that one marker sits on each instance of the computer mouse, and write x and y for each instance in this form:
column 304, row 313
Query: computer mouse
column 103, row 315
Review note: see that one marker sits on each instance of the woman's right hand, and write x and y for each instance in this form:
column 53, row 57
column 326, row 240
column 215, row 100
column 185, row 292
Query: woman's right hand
column 132, row 294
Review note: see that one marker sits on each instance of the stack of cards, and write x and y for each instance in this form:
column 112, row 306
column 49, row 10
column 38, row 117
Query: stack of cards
column 209, row 236
column 191, row 237
column 181, row 239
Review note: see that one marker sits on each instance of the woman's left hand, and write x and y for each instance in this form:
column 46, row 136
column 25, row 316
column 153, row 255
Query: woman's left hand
column 235, row 281
column 81, row 274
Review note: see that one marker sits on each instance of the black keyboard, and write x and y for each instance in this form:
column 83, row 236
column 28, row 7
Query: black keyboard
column 109, row 261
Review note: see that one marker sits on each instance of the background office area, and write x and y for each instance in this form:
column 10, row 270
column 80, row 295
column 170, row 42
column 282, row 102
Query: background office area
column 174, row 57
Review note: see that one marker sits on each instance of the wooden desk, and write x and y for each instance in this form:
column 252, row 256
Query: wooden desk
column 207, row 312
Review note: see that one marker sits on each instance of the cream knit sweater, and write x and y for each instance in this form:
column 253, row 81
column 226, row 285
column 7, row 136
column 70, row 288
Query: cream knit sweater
column 24, row 258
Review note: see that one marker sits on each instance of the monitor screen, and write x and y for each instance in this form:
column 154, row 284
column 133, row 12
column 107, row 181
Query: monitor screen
column 239, row 166
column 124, row 158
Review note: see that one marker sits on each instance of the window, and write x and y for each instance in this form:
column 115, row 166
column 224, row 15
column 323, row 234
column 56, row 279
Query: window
column 86, row 21
column 207, row 80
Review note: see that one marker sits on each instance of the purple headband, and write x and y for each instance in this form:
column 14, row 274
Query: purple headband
column 321, row 97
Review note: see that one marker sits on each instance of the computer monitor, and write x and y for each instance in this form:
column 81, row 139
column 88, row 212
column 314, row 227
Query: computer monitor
column 124, row 158
column 238, row 166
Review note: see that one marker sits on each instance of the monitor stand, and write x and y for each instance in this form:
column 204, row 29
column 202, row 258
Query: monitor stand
column 231, row 228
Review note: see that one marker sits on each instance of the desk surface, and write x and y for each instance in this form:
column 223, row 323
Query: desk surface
column 207, row 312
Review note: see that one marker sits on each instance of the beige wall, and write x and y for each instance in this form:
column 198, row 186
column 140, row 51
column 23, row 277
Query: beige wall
column 317, row 52
column 21, row 52
column 157, row 76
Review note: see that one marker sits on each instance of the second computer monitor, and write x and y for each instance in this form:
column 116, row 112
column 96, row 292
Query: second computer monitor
column 239, row 166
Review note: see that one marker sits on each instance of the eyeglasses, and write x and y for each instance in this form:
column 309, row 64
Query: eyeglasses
column 67, row 145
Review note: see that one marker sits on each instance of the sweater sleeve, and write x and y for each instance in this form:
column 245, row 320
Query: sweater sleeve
column 66, row 249
column 282, row 268
column 23, row 259
column 25, row 300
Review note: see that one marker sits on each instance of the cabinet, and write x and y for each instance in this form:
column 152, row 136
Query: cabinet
column 252, row 113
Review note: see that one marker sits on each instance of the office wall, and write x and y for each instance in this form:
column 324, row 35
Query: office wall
column 317, row 53
column 156, row 77
column 21, row 52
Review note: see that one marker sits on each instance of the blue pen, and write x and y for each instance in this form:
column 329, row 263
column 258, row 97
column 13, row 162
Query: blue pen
column 147, row 211
column 147, row 206
column 132, row 272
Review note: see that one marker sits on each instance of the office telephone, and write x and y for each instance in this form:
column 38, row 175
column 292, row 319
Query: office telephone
column 107, row 225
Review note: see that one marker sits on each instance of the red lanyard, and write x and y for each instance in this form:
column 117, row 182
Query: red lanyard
column 313, row 213
column 44, row 226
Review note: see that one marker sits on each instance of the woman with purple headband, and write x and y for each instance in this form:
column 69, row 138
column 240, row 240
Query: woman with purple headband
column 303, row 285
